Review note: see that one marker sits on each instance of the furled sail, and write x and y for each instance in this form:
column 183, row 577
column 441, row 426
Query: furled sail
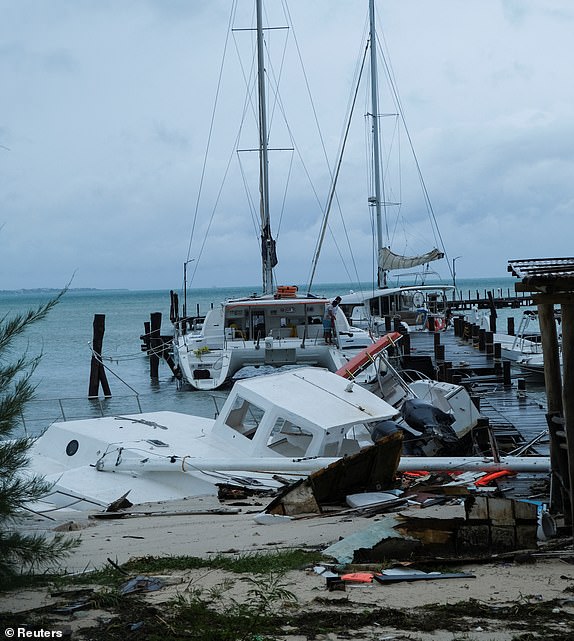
column 389, row 260
column 268, row 249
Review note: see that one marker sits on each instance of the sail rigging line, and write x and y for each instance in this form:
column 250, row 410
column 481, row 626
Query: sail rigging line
column 214, row 209
column 394, row 89
column 296, row 147
column 249, row 82
column 323, row 147
column 209, row 137
column 335, row 177
column 308, row 88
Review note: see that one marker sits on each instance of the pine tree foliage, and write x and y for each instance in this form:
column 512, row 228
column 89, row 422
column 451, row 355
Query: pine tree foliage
column 21, row 552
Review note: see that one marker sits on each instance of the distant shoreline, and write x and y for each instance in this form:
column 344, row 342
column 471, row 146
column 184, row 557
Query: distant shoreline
column 56, row 290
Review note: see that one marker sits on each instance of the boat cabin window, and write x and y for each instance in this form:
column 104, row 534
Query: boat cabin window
column 289, row 439
column 282, row 320
column 381, row 306
column 244, row 417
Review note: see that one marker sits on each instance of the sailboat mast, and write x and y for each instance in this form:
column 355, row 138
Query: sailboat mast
column 267, row 248
column 375, row 130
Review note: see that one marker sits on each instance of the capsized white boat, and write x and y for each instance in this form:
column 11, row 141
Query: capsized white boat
column 289, row 424
column 272, row 430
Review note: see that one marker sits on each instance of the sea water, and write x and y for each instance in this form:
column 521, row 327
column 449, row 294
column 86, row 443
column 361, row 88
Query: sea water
column 63, row 339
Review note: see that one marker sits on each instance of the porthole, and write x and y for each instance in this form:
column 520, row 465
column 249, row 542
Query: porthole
column 72, row 447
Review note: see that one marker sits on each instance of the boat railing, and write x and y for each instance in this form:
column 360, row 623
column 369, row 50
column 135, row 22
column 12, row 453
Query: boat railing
column 38, row 414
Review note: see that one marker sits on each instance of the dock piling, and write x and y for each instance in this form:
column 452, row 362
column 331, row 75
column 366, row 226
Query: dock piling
column 97, row 370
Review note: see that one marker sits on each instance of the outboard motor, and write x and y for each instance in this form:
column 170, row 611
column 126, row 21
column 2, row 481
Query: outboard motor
column 384, row 428
column 411, row 445
column 428, row 419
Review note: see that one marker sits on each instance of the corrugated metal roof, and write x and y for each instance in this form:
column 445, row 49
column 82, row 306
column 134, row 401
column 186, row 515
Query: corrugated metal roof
column 544, row 274
column 542, row 267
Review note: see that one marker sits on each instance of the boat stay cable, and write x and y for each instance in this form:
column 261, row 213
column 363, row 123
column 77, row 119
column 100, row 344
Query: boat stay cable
column 398, row 102
column 333, row 187
column 208, row 145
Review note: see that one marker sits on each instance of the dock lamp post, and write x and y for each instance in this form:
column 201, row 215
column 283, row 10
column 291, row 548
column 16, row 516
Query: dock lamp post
column 185, row 264
column 454, row 273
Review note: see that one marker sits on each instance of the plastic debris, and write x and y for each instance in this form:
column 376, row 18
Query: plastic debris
column 141, row 584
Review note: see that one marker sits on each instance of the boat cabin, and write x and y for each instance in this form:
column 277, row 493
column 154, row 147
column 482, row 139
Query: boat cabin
column 414, row 305
column 254, row 319
column 307, row 412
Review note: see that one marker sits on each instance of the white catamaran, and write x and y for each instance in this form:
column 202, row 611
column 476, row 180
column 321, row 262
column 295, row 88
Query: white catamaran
column 278, row 327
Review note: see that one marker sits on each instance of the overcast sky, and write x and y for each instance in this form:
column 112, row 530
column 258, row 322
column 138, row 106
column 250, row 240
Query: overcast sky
column 107, row 107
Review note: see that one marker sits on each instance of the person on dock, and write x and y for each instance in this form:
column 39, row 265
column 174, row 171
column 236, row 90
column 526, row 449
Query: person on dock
column 329, row 320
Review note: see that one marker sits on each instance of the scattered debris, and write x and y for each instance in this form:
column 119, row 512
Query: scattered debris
column 373, row 467
column 140, row 584
column 123, row 515
column 387, row 576
column 483, row 524
column 120, row 504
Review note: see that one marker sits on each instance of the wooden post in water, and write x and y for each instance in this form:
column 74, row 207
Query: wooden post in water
column 145, row 338
column 493, row 314
column 510, row 326
column 155, row 344
column 173, row 306
column 97, row 370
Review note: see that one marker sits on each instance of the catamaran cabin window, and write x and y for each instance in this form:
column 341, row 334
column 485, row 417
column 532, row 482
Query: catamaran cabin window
column 244, row 417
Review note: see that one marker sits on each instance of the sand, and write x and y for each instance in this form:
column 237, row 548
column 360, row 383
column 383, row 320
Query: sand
column 183, row 531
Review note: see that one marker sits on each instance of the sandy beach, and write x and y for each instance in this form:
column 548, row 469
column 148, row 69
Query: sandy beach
column 174, row 529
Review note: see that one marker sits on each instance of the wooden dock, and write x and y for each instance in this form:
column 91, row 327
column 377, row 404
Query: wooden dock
column 490, row 299
column 514, row 409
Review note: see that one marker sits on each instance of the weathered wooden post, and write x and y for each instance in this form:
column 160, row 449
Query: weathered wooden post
column 560, row 499
column 567, row 396
column 493, row 314
column 489, row 344
column 497, row 359
column 510, row 325
column 173, row 306
column 475, row 332
column 97, row 370
column 439, row 353
column 506, row 374
column 155, row 344
column 406, row 344
column 456, row 326
column 145, row 338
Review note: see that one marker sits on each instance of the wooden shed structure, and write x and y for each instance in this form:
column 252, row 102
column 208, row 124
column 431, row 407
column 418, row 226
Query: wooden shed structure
column 550, row 281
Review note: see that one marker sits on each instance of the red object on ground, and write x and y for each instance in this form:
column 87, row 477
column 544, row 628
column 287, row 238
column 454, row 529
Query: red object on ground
column 358, row 577
column 487, row 478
